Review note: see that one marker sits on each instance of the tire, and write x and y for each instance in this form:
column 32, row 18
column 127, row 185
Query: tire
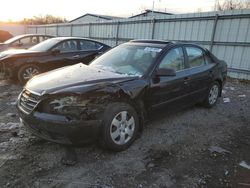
column 120, row 127
column 212, row 95
column 26, row 72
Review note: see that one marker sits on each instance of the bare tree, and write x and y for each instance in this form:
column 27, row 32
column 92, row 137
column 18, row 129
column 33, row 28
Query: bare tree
column 47, row 19
column 231, row 5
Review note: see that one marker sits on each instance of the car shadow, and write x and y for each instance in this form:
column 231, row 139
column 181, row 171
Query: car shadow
column 163, row 112
column 8, row 82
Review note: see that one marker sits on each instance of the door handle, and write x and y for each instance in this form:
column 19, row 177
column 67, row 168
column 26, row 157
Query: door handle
column 186, row 80
column 75, row 56
column 210, row 74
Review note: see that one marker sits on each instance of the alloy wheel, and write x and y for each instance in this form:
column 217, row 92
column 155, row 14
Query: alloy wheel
column 213, row 94
column 122, row 128
column 29, row 73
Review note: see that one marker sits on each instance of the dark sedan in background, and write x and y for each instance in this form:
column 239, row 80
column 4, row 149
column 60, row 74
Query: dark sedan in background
column 23, row 41
column 110, row 98
column 50, row 54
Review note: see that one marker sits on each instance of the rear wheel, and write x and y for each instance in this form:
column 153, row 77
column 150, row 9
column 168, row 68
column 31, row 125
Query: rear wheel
column 120, row 126
column 213, row 95
column 26, row 72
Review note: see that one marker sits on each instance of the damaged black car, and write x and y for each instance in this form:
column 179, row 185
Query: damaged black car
column 110, row 99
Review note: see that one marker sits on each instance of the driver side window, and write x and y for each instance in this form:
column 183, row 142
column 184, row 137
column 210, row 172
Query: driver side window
column 23, row 42
column 67, row 46
column 173, row 60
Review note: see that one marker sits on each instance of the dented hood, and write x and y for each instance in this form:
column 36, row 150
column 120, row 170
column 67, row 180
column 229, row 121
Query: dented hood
column 71, row 77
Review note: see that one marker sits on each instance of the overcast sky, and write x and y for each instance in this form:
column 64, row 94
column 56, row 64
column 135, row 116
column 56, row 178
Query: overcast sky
column 18, row 9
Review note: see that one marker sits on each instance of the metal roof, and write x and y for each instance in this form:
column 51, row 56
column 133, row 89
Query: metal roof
column 150, row 11
column 97, row 16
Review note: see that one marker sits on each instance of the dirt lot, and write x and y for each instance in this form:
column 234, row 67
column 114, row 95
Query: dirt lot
column 194, row 147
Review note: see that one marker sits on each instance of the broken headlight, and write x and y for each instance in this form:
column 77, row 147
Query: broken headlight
column 71, row 106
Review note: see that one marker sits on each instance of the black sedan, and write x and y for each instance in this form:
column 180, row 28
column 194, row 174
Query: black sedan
column 110, row 99
column 50, row 54
column 23, row 41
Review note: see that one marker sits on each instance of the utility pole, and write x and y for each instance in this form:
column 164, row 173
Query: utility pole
column 153, row 8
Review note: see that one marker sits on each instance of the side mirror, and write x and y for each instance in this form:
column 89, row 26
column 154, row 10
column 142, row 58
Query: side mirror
column 98, row 54
column 19, row 44
column 55, row 51
column 16, row 45
column 165, row 72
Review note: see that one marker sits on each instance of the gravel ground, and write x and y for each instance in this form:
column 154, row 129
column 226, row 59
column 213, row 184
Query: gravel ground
column 194, row 147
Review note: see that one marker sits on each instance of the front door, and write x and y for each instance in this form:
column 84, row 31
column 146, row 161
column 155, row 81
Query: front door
column 168, row 89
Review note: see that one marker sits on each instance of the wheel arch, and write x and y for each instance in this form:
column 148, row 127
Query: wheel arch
column 139, row 106
column 221, row 85
column 22, row 66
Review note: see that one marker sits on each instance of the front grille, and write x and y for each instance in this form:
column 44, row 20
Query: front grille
column 28, row 101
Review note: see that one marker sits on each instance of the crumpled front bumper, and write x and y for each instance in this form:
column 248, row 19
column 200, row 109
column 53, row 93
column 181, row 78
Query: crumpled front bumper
column 59, row 129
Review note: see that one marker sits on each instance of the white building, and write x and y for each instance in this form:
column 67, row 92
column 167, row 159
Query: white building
column 150, row 13
column 88, row 18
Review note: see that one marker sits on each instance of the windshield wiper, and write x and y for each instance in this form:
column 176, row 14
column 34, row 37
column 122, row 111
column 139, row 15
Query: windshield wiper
column 118, row 72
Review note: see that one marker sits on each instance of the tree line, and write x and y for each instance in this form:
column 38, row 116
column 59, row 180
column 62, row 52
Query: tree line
column 40, row 20
column 231, row 5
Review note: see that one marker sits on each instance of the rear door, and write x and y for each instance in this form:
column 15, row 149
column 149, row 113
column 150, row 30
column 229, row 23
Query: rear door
column 168, row 89
column 89, row 50
column 200, row 72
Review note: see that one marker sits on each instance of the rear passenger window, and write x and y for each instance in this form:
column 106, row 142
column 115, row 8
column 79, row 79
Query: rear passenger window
column 173, row 60
column 67, row 46
column 195, row 57
column 34, row 40
column 89, row 45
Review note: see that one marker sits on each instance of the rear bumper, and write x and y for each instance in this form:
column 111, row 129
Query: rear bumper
column 58, row 129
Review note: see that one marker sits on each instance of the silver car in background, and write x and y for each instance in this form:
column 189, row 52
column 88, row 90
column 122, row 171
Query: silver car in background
column 23, row 41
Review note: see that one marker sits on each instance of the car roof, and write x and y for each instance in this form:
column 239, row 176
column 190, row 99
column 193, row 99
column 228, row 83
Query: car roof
column 162, row 43
column 153, row 43
column 77, row 38
column 66, row 38
column 25, row 35
column 28, row 35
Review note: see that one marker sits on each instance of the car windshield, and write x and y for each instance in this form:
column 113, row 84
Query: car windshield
column 45, row 45
column 128, row 59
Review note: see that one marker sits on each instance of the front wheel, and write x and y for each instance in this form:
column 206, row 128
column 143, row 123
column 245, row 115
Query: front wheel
column 213, row 95
column 26, row 72
column 120, row 126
